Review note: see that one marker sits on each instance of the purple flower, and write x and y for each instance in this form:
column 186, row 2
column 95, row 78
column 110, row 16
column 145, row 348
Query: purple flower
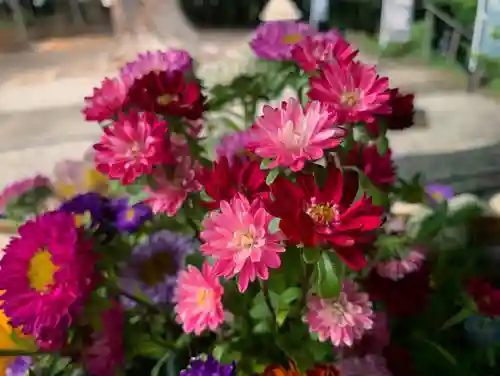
column 275, row 40
column 130, row 218
column 208, row 367
column 234, row 145
column 438, row 193
column 97, row 206
column 19, row 367
column 155, row 264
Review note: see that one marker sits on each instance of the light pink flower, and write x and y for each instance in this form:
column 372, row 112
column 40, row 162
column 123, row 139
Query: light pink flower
column 292, row 135
column 172, row 189
column 398, row 268
column 321, row 48
column 132, row 146
column 341, row 320
column 353, row 89
column 238, row 239
column 17, row 189
column 199, row 300
column 107, row 100
column 234, row 145
column 369, row 365
column 105, row 355
column 159, row 61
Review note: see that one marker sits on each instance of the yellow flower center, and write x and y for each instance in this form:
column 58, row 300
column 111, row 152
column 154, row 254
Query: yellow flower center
column 350, row 99
column 82, row 219
column 153, row 270
column 165, row 99
column 323, row 213
column 204, row 296
column 41, row 271
column 437, row 196
column 244, row 240
column 130, row 214
column 291, row 38
column 94, row 181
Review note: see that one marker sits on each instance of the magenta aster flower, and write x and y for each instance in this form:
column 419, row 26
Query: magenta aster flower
column 342, row 320
column 323, row 48
column 107, row 101
column 46, row 274
column 398, row 268
column 276, row 40
column 132, row 146
column 199, row 300
column 159, row 61
column 352, row 89
column 292, row 135
column 105, row 354
column 369, row 365
column 238, row 239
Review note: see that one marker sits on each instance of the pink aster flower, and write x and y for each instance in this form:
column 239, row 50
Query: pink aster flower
column 353, row 89
column 275, row 40
column 238, row 239
column 199, row 299
column 323, row 48
column 172, row 188
column 369, row 365
column 46, row 274
column 235, row 145
column 292, row 135
column 105, row 354
column 15, row 190
column 398, row 268
column 107, row 100
column 159, row 61
column 342, row 320
column 132, row 146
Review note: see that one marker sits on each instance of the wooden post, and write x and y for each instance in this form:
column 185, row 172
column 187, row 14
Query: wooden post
column 22, row 30
column 428, row 34
column 451, row 54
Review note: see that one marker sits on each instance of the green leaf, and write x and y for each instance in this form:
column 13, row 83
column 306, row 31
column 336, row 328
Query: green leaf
column 205, row 197
column 460, row 316
column 265, row 163
column 150, row 349
column 327, row 281
column 272, row 175
column 445, row 353
column 281, row 316
column 382, row 145
column 219, row 350
column 262, row 327
column 311, row 255
column 260, row 311
column 138, row 197
column 274, row 225
column 159, row 365
column 290, row 295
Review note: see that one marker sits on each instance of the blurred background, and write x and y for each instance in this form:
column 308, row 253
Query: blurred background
column 53, row 52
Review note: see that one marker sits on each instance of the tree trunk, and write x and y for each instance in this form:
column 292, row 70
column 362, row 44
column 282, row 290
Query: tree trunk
column 22, row 30
column 76, row 15
column 144, row 16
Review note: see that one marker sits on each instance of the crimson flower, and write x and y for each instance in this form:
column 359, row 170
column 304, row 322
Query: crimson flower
column 403, row 110
column 167, row 93
column 485, row 295
column 312, row 216
column 405, row 297
column 378, row 168
column 225, row 179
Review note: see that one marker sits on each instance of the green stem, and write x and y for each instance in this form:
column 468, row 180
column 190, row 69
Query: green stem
column 267, row 298
column 139, row 300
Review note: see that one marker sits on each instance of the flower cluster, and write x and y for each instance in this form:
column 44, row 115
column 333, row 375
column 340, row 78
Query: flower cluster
column 281, row 255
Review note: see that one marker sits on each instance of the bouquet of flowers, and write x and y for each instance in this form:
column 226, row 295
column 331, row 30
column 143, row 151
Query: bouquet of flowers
column 275, row 250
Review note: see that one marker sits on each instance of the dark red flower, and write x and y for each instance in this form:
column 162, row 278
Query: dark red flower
column 379, row 169
column 402, row 110
column 167, row 93
column 225, row 179
column 399, row 361
column 313, row 216
column 405, row 297
column 485, row 295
